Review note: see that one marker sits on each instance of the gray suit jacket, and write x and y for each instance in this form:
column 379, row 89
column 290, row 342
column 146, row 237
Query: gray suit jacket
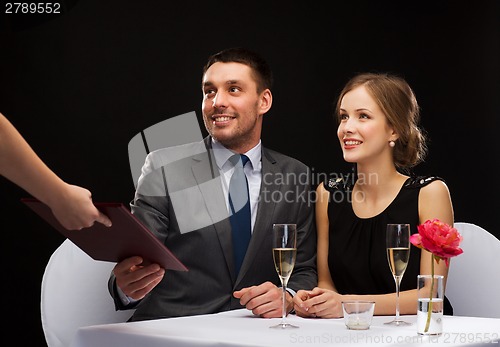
column 180, row 198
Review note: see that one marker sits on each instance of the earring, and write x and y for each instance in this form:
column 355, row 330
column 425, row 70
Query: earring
column 392, row 143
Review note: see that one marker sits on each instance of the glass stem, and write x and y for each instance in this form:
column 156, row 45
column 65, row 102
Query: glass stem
column 283, row 314
column 398, row 279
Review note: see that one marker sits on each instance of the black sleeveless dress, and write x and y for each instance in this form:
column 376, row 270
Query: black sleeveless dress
column 357, row 253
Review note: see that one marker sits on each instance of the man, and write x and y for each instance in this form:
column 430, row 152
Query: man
column 182, row 197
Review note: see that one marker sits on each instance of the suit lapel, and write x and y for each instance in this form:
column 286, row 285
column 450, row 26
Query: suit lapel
column 207, row 176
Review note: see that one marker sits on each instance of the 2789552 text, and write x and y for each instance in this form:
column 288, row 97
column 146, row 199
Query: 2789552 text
column 32, row 7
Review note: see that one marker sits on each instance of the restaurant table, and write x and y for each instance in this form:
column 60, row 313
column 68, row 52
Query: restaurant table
column 241, row 328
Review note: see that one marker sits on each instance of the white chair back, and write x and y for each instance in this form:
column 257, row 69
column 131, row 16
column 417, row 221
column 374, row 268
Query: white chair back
column 74, row 294
column 473, row 284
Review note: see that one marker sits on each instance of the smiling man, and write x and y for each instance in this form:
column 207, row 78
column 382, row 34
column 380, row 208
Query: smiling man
column 184, row 196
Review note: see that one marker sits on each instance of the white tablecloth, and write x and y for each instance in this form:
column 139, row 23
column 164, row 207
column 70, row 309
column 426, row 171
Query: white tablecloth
column 241, row 328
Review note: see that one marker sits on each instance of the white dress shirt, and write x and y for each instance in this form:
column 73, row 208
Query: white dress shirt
column 253, row 171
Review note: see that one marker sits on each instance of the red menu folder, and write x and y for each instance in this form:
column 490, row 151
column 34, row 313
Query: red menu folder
column 125, row 238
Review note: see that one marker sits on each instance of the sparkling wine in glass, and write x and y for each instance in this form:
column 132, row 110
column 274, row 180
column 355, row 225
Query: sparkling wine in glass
column 398, row 254
column 284, row 254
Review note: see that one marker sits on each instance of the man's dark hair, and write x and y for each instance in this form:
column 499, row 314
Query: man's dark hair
column 261, row 69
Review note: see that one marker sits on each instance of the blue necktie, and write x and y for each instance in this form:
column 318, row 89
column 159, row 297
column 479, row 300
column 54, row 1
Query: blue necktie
column 240, row 216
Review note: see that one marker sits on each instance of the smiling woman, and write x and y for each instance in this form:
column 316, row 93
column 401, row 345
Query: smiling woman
column 378, row 132
column 381, row 104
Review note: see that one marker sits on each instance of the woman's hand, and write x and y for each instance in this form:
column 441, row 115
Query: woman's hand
column 318, row 303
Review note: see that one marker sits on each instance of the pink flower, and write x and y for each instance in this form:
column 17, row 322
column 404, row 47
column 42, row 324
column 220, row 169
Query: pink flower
column 442, row 241
column 438, row 238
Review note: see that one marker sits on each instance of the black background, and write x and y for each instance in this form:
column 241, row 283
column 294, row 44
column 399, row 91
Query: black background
column 80, row 85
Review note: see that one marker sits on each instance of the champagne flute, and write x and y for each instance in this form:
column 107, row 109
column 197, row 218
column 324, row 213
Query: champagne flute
column 284, row 254
column 398, row 254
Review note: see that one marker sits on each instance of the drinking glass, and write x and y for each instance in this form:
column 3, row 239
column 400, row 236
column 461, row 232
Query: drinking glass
column 430, row 304
column 284, row 254
column 398, row 254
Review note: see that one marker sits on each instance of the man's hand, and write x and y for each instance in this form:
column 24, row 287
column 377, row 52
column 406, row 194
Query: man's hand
column 136, row 280
column 264, row 300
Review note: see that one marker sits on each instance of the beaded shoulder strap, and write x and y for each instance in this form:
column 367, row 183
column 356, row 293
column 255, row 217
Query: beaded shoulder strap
column 421, row 181
column 339, row 182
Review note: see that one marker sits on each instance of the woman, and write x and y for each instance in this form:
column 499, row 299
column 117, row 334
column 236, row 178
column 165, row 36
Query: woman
column 378, row 131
